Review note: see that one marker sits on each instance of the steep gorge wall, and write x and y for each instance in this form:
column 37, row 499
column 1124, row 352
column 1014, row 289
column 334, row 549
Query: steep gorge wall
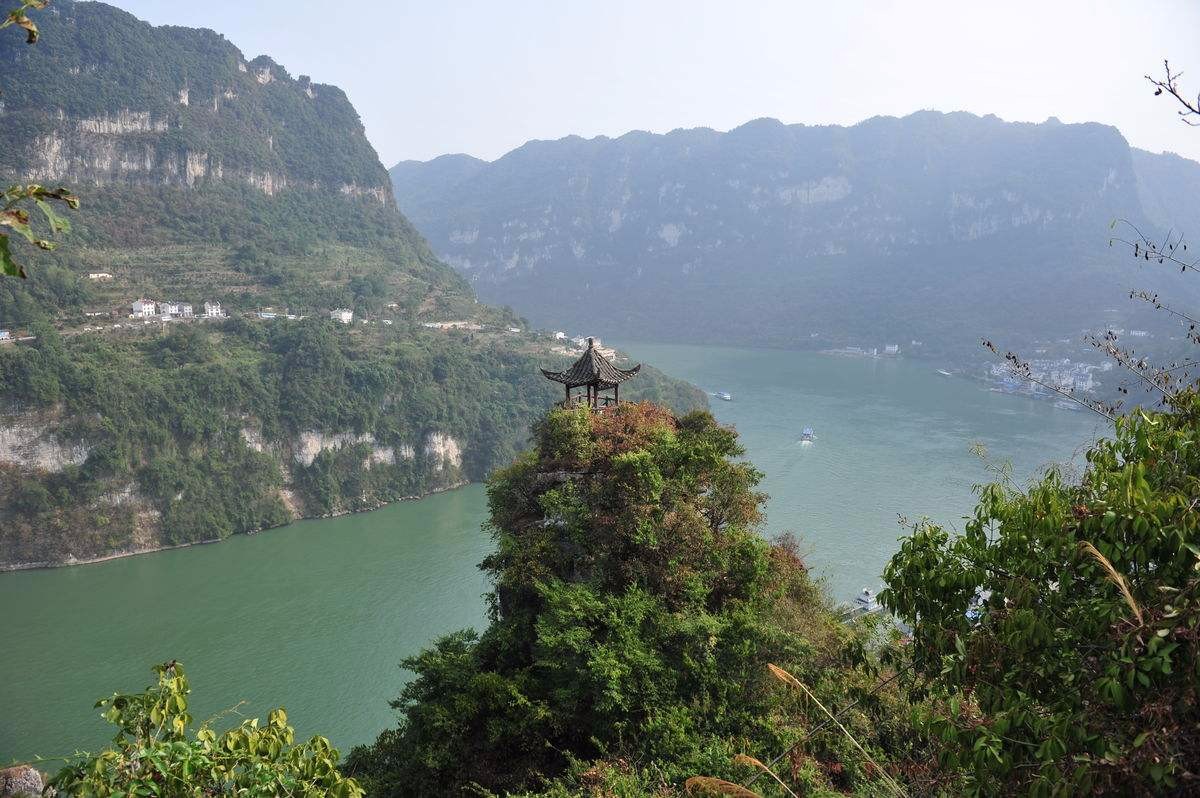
column 120, row 518
column 109, row 100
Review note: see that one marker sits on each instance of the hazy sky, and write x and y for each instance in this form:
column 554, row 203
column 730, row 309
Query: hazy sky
column 484, row 77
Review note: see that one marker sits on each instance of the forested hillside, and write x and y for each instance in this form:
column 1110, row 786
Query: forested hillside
column 939, row 228
column 209, row 177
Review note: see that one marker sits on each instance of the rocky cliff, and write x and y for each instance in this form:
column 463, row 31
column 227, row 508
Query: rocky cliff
column 107, row 99
column 941, row 227
column 120, row 517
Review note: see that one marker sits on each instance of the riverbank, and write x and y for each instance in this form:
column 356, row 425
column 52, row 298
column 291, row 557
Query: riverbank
column 120, row 555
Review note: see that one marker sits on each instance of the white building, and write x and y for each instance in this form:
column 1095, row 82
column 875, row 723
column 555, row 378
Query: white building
column 559, row 335
column 170, row 308
column 1138, row 333
column 5, row 335
column 144, row 308
column 343, row 315
column 185, row 310
column 101, row 276
column 891, row 349
column 212, row 310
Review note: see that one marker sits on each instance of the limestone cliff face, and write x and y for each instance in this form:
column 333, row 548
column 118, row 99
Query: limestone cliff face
column 36, row 441
column 441, row 450
column 109, row 100
column 119, row 518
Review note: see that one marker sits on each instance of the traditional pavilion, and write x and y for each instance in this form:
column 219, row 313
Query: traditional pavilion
column 596, row 373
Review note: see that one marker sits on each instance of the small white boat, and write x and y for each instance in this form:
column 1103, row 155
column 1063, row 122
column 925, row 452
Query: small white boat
column 944, row 373
column 865, row 602
column 724, row 395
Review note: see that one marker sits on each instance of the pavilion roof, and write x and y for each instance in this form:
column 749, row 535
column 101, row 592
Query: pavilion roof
column 592, row 368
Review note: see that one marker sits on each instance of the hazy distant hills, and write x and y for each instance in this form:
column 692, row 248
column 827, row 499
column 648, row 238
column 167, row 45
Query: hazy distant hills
column 936, row 227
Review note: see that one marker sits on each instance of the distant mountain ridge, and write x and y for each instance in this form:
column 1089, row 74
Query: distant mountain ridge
column 932, row 226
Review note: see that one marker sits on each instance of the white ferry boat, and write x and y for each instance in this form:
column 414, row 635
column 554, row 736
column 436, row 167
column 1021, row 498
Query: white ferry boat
column 865, row 602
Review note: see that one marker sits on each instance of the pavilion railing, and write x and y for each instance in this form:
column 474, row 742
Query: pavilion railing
column 602, row 402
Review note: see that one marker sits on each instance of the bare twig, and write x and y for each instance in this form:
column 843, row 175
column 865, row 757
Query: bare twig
column 1170, row 84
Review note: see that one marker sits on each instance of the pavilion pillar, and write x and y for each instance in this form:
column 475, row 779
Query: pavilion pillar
column 617, row 394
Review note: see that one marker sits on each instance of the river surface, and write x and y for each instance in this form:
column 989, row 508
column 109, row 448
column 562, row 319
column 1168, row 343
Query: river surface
column 316, row 616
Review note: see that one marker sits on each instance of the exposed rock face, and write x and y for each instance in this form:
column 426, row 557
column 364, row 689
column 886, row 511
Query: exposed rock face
column 30, row 442
column 22, row 781
column 308, row 445
column 443, row 451
column 117, row 123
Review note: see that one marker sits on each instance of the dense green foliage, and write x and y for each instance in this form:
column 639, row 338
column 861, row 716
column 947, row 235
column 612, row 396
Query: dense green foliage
column 167, row 421
column 156, row 753
column 1080, row 671
column 634, row 613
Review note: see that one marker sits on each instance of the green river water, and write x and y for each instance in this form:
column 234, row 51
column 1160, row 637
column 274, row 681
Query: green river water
column 316, row 616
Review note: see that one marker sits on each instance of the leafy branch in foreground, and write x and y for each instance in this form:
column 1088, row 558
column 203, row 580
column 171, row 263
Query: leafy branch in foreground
column 12, row 216
column 1019, row 367
column 19, row 18
column 152, row 753
column 17, row 219
column 1059, row 635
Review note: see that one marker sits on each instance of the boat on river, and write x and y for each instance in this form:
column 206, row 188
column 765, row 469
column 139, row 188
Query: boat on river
column 866, row 603
column 944, row 373
column 724, row 395
column 807, row 435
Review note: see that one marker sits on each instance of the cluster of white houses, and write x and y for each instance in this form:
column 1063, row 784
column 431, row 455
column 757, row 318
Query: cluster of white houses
column 149, row 309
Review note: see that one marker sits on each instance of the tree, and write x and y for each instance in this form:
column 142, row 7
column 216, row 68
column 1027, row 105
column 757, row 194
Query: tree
column 635, row 611
column 153, row 753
